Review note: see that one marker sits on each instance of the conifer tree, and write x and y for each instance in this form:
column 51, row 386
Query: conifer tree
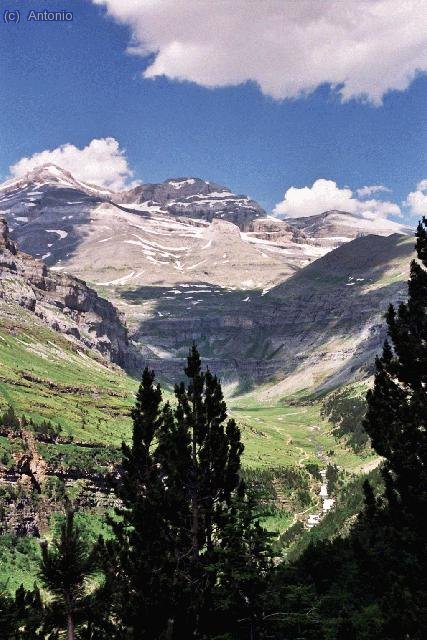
column 239, row 602
column 8, row 615
column 64, row 568
column 397, row 406
column 186, row 526
column 141, row 545
column 396, row 421
column 222, row 533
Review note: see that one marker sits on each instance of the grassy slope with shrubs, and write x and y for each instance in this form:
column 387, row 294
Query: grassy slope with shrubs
column 46, row 377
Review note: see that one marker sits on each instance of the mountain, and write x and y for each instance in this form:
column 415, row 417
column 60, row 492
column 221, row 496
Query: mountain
column 23, row 199
column 333, row 324
column 184, row 229
column 143, row 237
column 284, row 309
column 196, row 198
column 265, row 299
column 48, row 185
column 333, row 228
column 317, row 330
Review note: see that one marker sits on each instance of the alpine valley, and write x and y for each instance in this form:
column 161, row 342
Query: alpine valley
column 94, row 285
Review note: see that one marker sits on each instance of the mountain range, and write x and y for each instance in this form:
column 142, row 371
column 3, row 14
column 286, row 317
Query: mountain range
column 295, row 303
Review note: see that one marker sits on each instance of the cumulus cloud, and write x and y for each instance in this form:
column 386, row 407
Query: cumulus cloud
column 369, row 190
column 325, row 195
column 362, row 48
column 417, row 200
column 101, row 162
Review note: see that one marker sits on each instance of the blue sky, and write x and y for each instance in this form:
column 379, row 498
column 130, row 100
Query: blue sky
column 74, row 82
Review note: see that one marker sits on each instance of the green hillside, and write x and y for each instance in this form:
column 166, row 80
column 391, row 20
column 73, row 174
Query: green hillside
column 45, row 375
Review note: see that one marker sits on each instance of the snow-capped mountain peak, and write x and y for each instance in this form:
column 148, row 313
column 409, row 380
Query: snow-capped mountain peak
column 159, row 231
column 51, row 175
column 333, row 228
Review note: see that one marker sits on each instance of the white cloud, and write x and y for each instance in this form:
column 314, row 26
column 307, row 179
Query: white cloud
column 368, row 190
column 325, row 195
column 364, row 48
column 101, row 162
column 417, row 200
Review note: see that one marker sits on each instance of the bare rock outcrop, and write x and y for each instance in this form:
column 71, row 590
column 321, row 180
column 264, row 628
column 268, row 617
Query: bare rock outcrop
column 64, row 303
column 196, row 198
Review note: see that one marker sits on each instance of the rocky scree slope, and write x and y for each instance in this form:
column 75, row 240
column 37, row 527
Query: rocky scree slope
column 317, row 330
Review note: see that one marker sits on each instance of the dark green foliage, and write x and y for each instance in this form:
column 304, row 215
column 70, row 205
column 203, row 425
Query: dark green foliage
column 313, row 469
column 8, row 617
column 293, row 609
column 372, row 584
column 238, row 599
column 393, row 538
column 337, row 522
column 24, row 617
column 54, row 488
column 10, row 420
column 346, row 411
column 45, row 428
column 220, row 514
column 73, row 458
column 64, row 569
column 332, row 477
column 293, row 532
column 266, row 483
column 6, row 460
column 189, row 557
column 137, row 562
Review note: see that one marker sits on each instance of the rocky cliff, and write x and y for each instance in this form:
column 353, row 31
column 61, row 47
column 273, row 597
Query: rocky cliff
column 196, row 198
column 320, row 328
column 334, row 228
column 63, row 302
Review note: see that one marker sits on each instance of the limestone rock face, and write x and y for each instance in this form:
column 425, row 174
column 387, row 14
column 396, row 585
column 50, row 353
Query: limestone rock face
column 5, row 242
column 149, row 234
column 277, row 231
column 196, row 198
column 320, row 328
column 65, row 303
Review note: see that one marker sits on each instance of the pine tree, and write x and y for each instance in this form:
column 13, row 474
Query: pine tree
column 186, row 529
column 224, row 540
column 201, row 413
column 141, row 537
column 242, row 566
column 10, row 419
column 396, row 421
column 8, row 616
column 64, row 568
